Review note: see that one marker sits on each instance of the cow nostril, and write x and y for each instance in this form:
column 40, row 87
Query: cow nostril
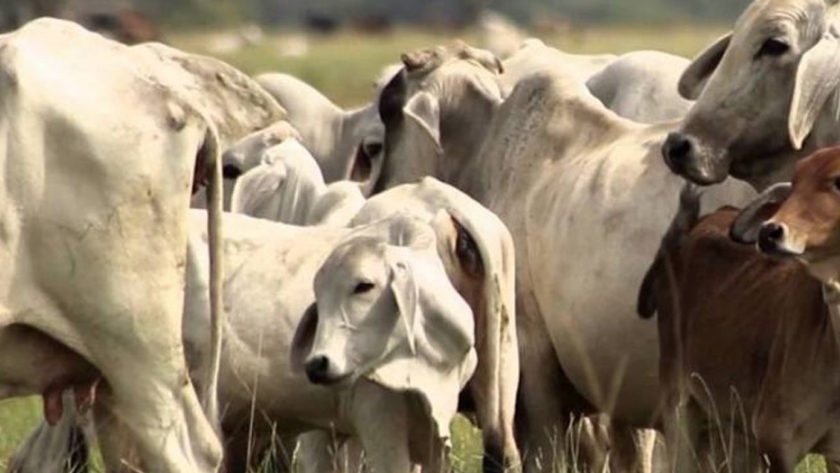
column 769, row 236
column 317, row 368
column 676, row 149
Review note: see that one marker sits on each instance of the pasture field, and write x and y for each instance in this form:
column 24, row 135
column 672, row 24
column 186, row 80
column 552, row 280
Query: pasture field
column 343, row 67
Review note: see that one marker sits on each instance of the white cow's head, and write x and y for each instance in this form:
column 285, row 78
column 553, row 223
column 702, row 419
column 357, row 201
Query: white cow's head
column 386, row 309
column 760, row 92
column 443, row 98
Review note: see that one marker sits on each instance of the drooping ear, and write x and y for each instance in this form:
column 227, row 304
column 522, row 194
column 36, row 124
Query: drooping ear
column 254, row 190
column 304, row 338
column 404, row 290
column 745, row 227
column 423, row 110
column 246, row 153
column 694, row 78
column 817, row 78
column 496, row 378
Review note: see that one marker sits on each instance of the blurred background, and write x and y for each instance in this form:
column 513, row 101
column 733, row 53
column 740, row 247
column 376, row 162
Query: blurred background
column 339, row 46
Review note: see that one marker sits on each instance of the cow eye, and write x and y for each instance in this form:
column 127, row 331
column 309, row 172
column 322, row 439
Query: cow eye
column 836, row 183
column 373, row 149
column 363, row 287
column 772, row 47
column 467, row 252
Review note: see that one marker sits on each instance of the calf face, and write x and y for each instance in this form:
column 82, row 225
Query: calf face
column 379, row 303
column 806, row 223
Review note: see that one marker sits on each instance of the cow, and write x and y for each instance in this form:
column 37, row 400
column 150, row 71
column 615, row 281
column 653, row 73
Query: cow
column 748, row 341
column 346, row 143
column 473, row 246
column 288, row 187
column 558, row 168
column 639, row 85
column 96, row 185
column 642, row 86
column 533, row 55
column 765, row 95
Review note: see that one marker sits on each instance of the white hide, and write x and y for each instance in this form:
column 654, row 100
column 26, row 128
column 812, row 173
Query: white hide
column 287, row 187
column 272, row 267
column 533, row 56
column 766, row 94
column 96, row 185
column 642, row 86
column 335, row 137
column 587, row 198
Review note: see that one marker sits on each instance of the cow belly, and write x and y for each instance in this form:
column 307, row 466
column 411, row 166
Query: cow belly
column 600, row 243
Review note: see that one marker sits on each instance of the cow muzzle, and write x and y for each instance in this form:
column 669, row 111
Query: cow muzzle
column 683, row 157
column 322, row 369
column 773, row 240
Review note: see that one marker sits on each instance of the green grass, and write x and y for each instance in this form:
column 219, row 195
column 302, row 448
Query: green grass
column 344, row 67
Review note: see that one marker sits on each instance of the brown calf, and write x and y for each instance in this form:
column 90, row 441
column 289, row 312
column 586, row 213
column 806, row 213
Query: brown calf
column 749, row 351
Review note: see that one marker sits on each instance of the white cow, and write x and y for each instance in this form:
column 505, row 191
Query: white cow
column 534, row 56
column 639, row 85
column 642, row 86
column 586, row 198
column 766, row 95
column 346, row 144
column 96, row 185
column 287, row 187
column 386, row 311
column 476, row 251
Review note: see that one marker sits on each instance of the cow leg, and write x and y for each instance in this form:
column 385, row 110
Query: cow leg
column 632, row 449
column 115, row 444
column 541, row 417
column 380, row 419
column 590, row 443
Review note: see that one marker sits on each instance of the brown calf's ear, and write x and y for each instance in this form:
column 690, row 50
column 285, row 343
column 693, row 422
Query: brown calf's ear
column 745, row 227
column 304, row 338
column 694, row 78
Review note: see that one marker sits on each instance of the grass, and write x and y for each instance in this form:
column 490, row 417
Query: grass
column 344, row 67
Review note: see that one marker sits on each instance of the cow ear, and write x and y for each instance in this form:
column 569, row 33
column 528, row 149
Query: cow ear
column 424, row 111
column 254, row 190
column 304, row 338
column 486, row 251
column 817, row 78
column 694, row 78
column 404, row 290
column 745, row 227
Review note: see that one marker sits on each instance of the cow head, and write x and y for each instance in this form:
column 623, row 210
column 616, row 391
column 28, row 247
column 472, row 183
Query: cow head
column 283, row 187
column 384, row 305
column 477, row 251
column 760, row 92
column 803, row 219
column 247, row 153
column 442, row 99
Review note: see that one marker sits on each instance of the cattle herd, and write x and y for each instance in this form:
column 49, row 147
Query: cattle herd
column 488, row 236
